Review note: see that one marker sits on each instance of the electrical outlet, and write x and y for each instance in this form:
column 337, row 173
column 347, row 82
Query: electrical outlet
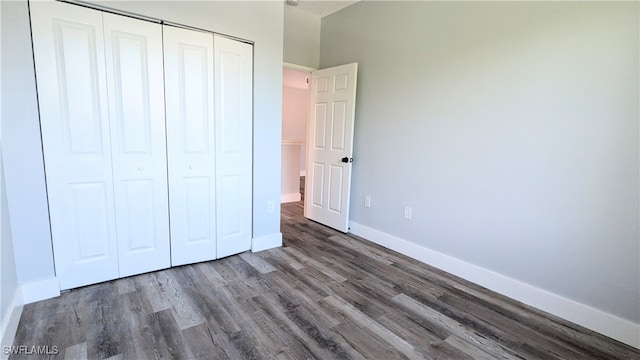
column 367, row 201
column 271, row 206
column 407, row 213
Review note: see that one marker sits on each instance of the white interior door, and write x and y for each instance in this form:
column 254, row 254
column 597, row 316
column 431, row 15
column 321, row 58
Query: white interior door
column 136, row 111
column 188, row 57
column 72, row 91
column 234, row 114
column 330, row 146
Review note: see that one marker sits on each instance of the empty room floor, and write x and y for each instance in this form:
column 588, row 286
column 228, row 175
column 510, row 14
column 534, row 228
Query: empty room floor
column 323, row 295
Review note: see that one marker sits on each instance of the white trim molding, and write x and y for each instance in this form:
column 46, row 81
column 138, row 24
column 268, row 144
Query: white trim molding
column 607, row 324
column 298, row 67
column 266, row 242
column 40, row 290
column 10, row 323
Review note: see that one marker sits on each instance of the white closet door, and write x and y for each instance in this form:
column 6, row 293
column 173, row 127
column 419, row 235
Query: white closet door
column 70, row 68
column 234, row 157
column 136, row 111
column 188, row 59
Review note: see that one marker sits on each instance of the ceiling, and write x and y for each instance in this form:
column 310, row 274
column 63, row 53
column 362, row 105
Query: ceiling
column 323, row 7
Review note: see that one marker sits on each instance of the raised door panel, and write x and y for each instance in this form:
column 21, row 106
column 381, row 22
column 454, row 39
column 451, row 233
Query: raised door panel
column 189, row 89
column 234, row 129
column 70, row 69
column 137, row 122
column 317, row 184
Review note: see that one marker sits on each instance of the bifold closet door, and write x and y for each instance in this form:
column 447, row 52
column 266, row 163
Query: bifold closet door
column 234, row 137
column 135, row 80
column 190, row 144
column 100, row 91
column 72, row 92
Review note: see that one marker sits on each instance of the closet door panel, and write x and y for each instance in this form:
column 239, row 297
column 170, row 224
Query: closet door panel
column 70, row 69
column 234, row 136
column 190, row 144
column 137, row 123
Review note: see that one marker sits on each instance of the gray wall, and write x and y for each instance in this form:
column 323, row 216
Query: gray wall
column 259, row 21
column 301, row 37
column 511, row 129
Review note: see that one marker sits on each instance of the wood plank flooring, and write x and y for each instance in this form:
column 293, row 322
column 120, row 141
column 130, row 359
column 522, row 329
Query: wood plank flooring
column 324, row 295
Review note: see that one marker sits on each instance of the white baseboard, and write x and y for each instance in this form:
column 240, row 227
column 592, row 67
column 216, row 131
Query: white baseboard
column 40, row 290
column 287, row 198
column 266, row 242
column 610, row 325
column 10, row 323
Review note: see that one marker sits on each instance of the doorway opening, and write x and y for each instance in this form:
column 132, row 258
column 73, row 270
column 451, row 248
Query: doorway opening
column 325, row 99
column 295, row 116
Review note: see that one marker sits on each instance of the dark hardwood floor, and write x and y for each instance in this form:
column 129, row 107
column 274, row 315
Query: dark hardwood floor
column 322, row 295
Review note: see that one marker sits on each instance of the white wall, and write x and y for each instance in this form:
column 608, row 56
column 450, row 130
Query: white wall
column 295, row 105
column 22, row 148
column 10, row 300
column 511, row 129
column 10, row 295
column 258, row 21
column 290, row 172
column 295, row 108
column 301, row 37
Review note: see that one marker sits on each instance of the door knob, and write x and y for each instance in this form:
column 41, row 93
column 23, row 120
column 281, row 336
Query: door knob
column 347, row 159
